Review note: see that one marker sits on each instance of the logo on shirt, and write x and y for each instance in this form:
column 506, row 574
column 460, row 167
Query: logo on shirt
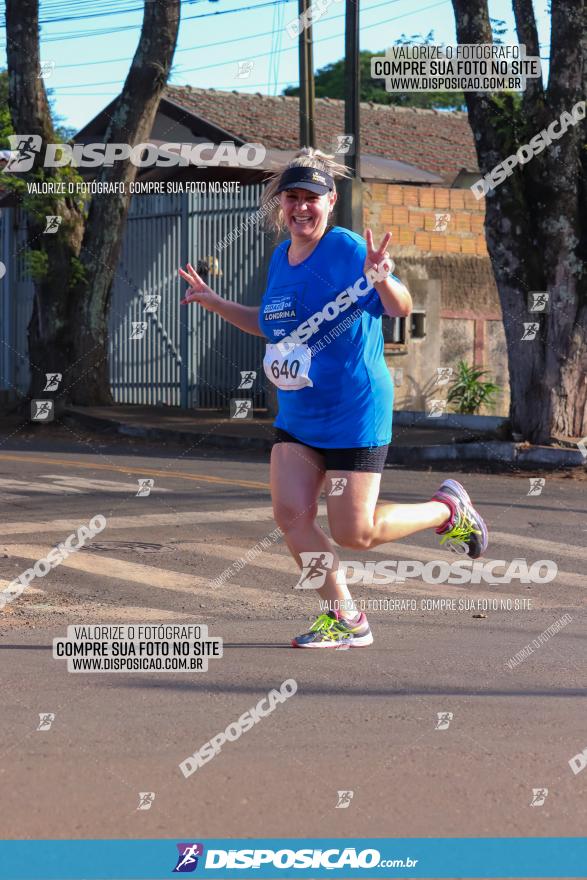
column 282, row 309
column 277, row 306
column 288, row 314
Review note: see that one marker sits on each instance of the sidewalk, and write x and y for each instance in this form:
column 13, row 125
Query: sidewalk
column 417, row 439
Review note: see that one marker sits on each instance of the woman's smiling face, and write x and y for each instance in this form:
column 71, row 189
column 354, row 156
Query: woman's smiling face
column 305, row 212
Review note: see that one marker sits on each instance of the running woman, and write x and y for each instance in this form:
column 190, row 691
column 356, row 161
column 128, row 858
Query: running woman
column 327, row 289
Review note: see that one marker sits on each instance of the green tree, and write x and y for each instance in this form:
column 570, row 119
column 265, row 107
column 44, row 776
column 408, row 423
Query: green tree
column 329, row 83
column 64, row 133
column 329, row 80
column 536, row 219
column 5, row 120
column 73, row 269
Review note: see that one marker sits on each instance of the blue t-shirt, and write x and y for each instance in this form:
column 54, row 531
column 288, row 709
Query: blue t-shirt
column 350, row 403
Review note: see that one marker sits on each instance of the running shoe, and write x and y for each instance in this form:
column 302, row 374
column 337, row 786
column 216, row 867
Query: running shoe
column 464, row 531
column 330, row 630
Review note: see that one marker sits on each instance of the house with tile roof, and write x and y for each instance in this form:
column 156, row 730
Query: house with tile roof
column 416, row 169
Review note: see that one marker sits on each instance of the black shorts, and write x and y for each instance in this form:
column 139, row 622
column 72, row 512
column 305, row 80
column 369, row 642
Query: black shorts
column 365, row 458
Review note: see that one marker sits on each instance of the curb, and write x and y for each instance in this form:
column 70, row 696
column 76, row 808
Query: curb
column 208, row 439
column 412, row 418
column 491, row 451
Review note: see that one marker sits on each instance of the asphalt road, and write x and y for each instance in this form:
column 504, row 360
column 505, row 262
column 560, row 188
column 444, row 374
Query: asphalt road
column 364, row 721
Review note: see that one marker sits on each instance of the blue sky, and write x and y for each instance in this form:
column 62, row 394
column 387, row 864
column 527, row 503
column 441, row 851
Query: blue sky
column 92, row 55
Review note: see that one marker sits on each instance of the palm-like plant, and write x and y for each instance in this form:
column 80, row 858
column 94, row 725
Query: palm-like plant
column 468, row 392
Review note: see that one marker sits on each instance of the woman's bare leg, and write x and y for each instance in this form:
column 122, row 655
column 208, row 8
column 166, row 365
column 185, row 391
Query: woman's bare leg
column 357, row 520
column 297, row 475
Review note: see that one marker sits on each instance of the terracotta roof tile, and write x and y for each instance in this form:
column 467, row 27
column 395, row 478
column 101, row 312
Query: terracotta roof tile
column 438, row 141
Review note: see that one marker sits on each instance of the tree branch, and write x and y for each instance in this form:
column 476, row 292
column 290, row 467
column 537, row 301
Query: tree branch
column 567, row 54
column 130, row 123
column 29, row 107
column 134, row 112
column 473, row 26
column 528, row 36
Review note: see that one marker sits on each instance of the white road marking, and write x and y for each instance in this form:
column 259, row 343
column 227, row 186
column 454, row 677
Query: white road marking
column 71, row 485
column 102, row 566
column 281, row 562
column 423, row 554
column 286, row 565
column 542, row 547
column 144, row 520
column 273, row 560
column 26, row 487
column 143, row 471
column 90, row 484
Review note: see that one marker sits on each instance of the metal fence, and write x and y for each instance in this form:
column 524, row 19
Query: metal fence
column 184, row 356
column 16, row 303
column 188, row 357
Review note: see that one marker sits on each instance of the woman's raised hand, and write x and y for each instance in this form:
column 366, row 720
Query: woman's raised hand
column 198, row 291
column 378, row 258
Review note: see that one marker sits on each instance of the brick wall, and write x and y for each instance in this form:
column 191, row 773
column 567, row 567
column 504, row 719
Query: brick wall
column 462, row 306
column 409, row 212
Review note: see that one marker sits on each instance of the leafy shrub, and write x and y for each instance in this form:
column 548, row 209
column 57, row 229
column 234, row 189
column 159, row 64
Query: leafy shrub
column 468, row 392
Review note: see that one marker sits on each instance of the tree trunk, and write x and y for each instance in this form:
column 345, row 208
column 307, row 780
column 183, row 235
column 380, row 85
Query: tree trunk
column 49, row 332
column 131, row 122
column 536, row 221
column 68, row 332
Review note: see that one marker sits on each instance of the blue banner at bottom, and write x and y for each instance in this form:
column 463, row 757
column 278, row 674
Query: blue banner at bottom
column 224, row 859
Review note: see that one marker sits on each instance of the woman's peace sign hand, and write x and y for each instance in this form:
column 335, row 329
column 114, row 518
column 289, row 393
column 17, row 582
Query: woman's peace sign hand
column 378, row 259
column 198, row 291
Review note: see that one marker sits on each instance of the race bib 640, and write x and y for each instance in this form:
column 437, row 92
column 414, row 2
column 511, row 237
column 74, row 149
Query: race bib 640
column 287, row 365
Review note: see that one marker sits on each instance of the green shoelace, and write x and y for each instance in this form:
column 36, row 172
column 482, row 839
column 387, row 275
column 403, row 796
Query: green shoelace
column 329, row 627
column 460, row 533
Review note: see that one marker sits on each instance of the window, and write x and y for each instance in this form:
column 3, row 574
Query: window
column 394, row 331
column 418, row 325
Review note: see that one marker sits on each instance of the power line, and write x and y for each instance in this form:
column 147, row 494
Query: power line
column 105, row 9
column 276, row 40
column 114, row 9
column 210, row 45
column 61, row 36
column 242, row 85
column 218, row 42
column 242, row 39
column 278, row 7
column 186, row 49
column 323, row 39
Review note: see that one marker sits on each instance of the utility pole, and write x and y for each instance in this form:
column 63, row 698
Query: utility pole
column 351, row 213
column 307, row 129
